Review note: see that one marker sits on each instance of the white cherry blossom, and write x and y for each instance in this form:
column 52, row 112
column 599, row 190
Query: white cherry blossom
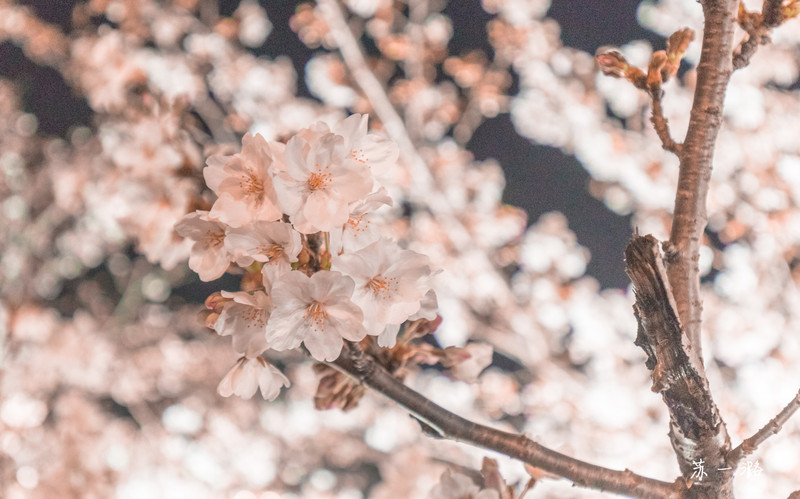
column 249, row 375
column 243, row 183
column 275, row 243
column 316, row 311
column 321, row 180
column 208, row 257
column 377, row 153
column 244, row 319
column 359, row 231
column 390, row 284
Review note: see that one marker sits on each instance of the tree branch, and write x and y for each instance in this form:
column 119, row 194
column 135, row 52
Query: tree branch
column 748, row 446
column 445, row 424
column 758, row 27
column 661, row 125
column 697, row 431
column 689, row 222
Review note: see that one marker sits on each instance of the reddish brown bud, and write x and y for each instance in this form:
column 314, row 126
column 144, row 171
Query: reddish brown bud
column 654, row 76
column 216, row 301
column 611, row 62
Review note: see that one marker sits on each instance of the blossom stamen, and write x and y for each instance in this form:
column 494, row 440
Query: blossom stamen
column 354, row 222
column 359, row 156
column 315, row 315
column 383, row 287
column 215, row 238
column 274, row 252
column 320, row 179
column 255, row 317
column 252, row 185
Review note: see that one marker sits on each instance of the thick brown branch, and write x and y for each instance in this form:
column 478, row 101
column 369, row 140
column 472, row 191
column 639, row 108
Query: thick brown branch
column 773, row 427
column 661, row 125
column 697, row 431
column 445, row 424
column 689, row 222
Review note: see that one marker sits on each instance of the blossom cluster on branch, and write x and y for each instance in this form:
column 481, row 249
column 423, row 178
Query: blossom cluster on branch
column 335, row 232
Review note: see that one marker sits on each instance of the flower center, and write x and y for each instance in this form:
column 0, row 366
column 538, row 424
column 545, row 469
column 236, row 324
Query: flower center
column 316, row 315
column 358, row 155
column 273, row 252
column 255, row 317
column 320, row 178
column 355, row 224
column 253, row 185
column 215, row 238
column 383, row 287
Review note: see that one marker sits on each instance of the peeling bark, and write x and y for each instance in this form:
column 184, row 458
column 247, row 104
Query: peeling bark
column 697, row 431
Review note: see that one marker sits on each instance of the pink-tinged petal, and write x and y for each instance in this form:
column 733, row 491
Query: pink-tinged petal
column 285, row 330
column 278, row 158
column 292, row 289
column 295, row 154
column 211, row 265
column 242, row 242
column 239, row 381
column 399, row 312
column 324, row 346
column 193, row 225
column 256, row 150
column 302, row 225
column 214, row 173
column 330, row 284
column 352, row 127
column 325, row 212
column 272, row 274
column 289, row 193
column 347, row 321
column 388, row 337
column 250, row 345
column 271, row 380
column 377, row 153
column 230, row 211
column 268, row 209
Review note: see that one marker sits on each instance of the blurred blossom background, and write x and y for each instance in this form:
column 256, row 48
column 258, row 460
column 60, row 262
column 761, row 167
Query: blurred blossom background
column 522, row 174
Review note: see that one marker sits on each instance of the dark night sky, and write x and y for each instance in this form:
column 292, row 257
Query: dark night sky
column 539, row 178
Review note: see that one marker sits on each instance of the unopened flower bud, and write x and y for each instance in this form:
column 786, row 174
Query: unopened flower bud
column 216, row 301
column 211, row 320
column 654, row 76
column 468, row 362
column 611, row 62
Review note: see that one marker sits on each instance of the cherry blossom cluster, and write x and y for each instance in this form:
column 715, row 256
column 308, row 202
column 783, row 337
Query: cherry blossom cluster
column 301, row 214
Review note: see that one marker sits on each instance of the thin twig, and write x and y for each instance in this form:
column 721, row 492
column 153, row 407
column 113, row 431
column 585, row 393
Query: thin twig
column 661, row 125
column 214, row 118
column 445, row 424
column 758, row 27
column 748, row 446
